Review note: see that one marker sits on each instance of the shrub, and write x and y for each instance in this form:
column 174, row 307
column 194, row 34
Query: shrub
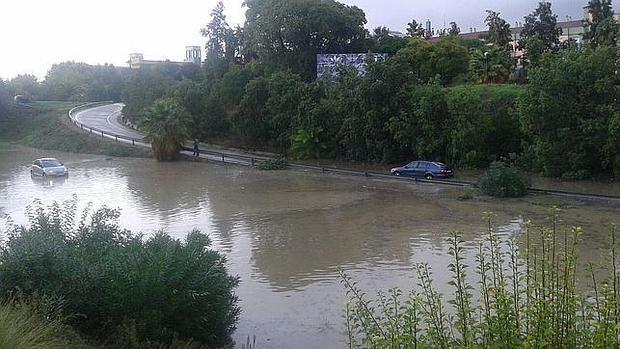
column 273, row 164
column 307, row 144
column 502, row 180
column 108, row 277
column 524, row 298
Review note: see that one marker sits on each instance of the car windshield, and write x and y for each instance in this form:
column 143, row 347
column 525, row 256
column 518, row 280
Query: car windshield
column 51, row 163
column 440, row 165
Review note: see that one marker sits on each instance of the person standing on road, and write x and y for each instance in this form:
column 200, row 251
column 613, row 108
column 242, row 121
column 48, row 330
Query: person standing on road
column 196, row 148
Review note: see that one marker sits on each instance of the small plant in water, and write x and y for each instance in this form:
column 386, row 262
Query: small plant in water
column 524, row 298
column 273, row 164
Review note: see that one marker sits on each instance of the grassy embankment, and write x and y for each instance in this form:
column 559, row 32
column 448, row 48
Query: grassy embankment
column 24, row 326
column 45, row 125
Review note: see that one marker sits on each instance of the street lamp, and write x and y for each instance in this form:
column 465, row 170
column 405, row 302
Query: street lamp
column 486, row 67
column 568, row 19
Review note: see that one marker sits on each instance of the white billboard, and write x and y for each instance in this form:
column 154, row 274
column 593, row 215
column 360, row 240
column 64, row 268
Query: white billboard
column 327, row 64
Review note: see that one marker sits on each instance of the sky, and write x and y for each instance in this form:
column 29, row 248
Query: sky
column 34, row 34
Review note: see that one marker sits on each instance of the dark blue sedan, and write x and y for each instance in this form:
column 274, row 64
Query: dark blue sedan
column 426, row 169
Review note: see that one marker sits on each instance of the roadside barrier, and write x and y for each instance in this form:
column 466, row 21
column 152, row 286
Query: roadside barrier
column 103, row 133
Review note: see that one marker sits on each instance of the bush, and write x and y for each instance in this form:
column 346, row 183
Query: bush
column 508, row 306
column 502, row 180
column 107, row 277
column 273, row 164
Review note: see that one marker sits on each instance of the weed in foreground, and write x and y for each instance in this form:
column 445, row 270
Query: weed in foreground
column 524, row 297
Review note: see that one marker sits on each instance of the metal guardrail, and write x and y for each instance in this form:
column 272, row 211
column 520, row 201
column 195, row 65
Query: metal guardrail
column 103, row 133
column 255, row 160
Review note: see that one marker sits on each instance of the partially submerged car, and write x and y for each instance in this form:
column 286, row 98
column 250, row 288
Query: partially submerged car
column 48, row 167
column 425, row 169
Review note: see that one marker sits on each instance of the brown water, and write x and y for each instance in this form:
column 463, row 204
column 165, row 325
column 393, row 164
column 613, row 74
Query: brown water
column 287, row 233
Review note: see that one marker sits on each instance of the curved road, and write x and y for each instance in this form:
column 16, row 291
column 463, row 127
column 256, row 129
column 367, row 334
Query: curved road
column 106, row 118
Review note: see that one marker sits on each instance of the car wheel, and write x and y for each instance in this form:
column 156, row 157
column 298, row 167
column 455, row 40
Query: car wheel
column 397, row 173
column 428, row 176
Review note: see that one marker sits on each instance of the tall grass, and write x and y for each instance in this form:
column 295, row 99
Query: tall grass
column 24, row 326
column 522, row 297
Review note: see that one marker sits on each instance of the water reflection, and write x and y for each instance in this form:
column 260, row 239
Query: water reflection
column 287, row 233
column 49, row 182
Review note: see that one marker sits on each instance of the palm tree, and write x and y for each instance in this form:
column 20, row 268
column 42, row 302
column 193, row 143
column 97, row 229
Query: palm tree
column 165, row 125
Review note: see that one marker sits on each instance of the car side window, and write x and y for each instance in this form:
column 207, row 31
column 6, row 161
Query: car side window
column 412, row 164
column 37, row 163
column 423, row 165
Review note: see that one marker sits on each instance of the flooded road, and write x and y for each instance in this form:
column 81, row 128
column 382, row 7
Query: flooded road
column 286, row 233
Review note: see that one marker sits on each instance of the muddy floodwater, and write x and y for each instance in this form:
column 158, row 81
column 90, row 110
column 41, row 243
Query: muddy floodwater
column 287, row 233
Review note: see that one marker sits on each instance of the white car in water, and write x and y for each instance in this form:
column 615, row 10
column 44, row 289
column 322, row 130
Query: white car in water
column 48, row 167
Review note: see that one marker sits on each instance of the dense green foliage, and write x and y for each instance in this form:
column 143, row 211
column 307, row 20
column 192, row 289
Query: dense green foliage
column 501, row 296
column 541, row 24
column 81, row 82
column 109, row 282
column 5, row 100
column 25, row 85
column 568, row 111
column 430, row 99
column 601, row 28
column 289, row 34
column 71, row 81
column 504, row 181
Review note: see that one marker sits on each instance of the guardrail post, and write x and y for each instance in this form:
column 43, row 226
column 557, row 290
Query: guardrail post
column 222, row 157
column 322, row 169
column 101, row 133
column 116, row 138
column 91, row 130
column 133, row 141
column 366, row 174
column 252, row 161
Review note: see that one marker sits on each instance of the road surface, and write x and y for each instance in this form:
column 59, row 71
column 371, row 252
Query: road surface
column 106, row 118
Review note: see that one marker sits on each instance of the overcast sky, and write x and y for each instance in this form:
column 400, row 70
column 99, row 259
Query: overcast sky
column 34, row 34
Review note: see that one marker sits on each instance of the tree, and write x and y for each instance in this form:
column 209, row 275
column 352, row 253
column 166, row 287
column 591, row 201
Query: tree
column 415, row 29
column 289, row 34
column 5, row 100
column 542, row 23
column 454, row 29
column 218, row 33
column 165, row 125
column 567, row 112
column 143, row 87
column 26, row 85
column 450, row 60
column 75, row 81
column 601, row 28
column 499, row 30
column 384, row 42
